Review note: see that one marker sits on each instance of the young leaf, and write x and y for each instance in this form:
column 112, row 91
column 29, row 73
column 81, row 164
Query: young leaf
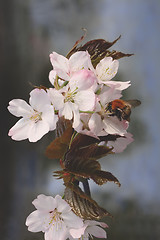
column 83, row 205
column 59, row 146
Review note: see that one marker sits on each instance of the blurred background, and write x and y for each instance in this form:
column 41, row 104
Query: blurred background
column 29, row 32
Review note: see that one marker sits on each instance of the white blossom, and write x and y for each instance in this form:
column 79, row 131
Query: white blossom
column 105, row 70
column 38, row 118
column 54, row 217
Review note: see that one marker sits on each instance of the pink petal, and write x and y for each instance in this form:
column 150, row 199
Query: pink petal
column 118, row 85
column 20, row 108
column 113, row 126
column 121, row 143
column 109, row 94
column 39, row 99
column 38, row 130
column 20, row 130
column 45, row 203
column 82, row 80
column 97, row 231
column 52, row 76
column 60, row 65
column 77, row 233
column 80, row 60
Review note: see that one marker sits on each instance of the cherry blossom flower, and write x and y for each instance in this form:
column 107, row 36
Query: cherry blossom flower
column 90, row 228
column 54, row 217
column 77, row 96
column 106, row 69
column 65, row 68
column 38, row 118
column 101, row 123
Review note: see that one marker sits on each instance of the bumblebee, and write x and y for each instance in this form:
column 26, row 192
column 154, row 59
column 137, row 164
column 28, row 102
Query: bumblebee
column 121, row 108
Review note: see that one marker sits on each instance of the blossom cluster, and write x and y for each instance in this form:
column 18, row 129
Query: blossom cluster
column 55, row 218
column 85, row 108
column 80, row 93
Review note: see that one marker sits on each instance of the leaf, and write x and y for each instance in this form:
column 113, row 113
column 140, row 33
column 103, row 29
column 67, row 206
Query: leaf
column 98, row 49
column 117, row 55
column 82, row 140
column 74, row 48
column 59, row 146
column 82, row 163
column 83, row 205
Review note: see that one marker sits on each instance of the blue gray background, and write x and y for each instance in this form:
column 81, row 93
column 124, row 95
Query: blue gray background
column 29, row 31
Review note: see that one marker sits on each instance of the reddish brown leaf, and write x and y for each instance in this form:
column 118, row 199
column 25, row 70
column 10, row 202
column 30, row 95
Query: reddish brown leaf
column 98, row 49
column 83, row 205
column 82, row 163
column 118, row 55
column 74, row 48
column 59, row 146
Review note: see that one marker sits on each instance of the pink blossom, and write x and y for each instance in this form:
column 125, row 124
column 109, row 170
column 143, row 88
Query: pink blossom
column 64, row 68
column 77, row 96
column 90, row 228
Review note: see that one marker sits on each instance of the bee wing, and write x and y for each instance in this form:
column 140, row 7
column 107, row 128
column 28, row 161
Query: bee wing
column 134, row 103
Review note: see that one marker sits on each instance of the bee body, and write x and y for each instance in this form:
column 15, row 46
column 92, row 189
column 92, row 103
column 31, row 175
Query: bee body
column 121, row 108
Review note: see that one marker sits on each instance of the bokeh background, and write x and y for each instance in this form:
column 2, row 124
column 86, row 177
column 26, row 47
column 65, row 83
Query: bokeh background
column 29, row 31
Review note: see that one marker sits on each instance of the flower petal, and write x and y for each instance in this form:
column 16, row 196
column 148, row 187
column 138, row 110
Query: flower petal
column 118, row 85
column 52, row 76
column 60, row 65
column 49, row 117
column 121, row 143
column 80, row 60
column 72, row 220
column 20, row 130
column 95, row 123
column 113, row 126
column 20, row 108
column 38, row 130
column 109, row 94
column 85, row 100
column 45, row 203
column 62, row 205
column 82, row 80
column 97, row 231
column 56, row 97
column 39, row 99
column 77, row 233
column 106, row 69
column 35, row 221
column 67, row 111
column 56, row 232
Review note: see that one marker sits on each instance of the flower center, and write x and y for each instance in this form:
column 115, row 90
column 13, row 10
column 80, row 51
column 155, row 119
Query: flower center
column 69, row 96
column 56, row 219
column 36, row 116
